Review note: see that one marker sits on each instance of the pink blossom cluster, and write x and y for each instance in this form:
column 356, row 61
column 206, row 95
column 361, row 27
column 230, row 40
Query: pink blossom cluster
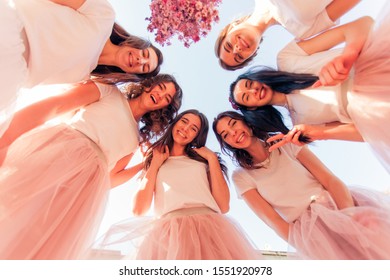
column 188, row 19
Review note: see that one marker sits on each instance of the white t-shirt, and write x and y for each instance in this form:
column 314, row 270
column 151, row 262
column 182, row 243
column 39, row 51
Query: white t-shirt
column 285, row 183
column 182, row 183
column 295, row 60
column 302, row 18
column 110, row 123
column 320, row 105
column 65, row 44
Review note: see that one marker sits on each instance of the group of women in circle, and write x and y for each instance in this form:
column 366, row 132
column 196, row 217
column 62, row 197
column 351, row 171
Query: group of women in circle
column 55, row 178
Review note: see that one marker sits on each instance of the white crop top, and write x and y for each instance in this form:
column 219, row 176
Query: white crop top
column 182, row 183
column 65, row 44
column 109, row 122
column 285, row 183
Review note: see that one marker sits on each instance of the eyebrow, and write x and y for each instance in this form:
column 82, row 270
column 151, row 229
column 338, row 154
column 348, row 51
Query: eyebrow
column 184, row 118
column 236, row 60
column 225, row 48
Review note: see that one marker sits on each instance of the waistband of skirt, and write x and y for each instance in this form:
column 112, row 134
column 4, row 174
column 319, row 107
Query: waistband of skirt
column 188, row 212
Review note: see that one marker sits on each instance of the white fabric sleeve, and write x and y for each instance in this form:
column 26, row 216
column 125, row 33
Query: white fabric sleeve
column 97, row 9
column 295, row 60
column 242, row 183
column 106, row 90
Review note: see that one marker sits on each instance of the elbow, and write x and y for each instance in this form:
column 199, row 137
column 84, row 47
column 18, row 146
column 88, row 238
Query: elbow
column 224, row 209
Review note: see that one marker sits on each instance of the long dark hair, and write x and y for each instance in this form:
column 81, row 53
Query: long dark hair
column 267, row 117
column 155, row 122
column 240, row 156
column 199, row 141
column 113, row 75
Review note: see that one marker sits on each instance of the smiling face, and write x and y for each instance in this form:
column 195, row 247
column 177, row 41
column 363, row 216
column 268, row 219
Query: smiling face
column 240, row 43
column 159, row 96
column 234, row 132
column 136, row 61
column 186, row 129
column 252, row 93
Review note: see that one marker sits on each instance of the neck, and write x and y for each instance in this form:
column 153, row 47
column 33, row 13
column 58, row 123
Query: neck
column 177, row 150
column 136, row 108
column 278, row 99
column 107, row 57
column 258, row 150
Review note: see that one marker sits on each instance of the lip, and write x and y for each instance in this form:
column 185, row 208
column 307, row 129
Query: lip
column 262, row 93
column 240, row 137
column 130, row 59
column 243, row 42
column 181, row 134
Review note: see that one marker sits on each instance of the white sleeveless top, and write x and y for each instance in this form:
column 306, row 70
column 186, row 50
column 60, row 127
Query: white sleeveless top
column 182, row 183
column 65, row 44
column 285, row 183
column 109, row 122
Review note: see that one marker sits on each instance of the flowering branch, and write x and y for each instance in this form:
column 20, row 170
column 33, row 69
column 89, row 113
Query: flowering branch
column 188, row 19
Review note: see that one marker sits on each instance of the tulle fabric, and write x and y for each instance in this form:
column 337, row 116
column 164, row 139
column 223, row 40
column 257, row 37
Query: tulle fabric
column 13, row 67
column 356, row 233
column 188, row 234
column 369, row 100
column 53, row 190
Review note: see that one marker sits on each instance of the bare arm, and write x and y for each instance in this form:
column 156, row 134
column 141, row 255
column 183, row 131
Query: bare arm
column 219, row 187
column 119, row 174
column 266, row 213
column 338, row 8
column 74, row 4
column 144, row 196
column 334, row 130
column 38, row 113
column 327, row 179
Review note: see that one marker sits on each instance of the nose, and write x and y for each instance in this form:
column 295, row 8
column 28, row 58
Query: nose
column 141, row 60
column 237, row 48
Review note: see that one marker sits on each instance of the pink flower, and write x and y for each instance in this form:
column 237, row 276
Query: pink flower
column 189, row 20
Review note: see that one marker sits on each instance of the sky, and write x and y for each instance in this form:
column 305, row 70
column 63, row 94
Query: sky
column 205, row 85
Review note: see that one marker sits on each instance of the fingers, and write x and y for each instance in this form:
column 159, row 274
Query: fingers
column 275, row 138
column 317, row 84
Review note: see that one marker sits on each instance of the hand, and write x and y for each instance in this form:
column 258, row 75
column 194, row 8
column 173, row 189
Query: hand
column 160, row 154
column 4, row 144
column 282, row 139
column 205, row 153
column 336, row 71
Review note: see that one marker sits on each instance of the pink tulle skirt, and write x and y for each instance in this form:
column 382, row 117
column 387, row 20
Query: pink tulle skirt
column 356, row 233
column 369, row 100
column 186, row 234
column 13, row 67
column 53, row 189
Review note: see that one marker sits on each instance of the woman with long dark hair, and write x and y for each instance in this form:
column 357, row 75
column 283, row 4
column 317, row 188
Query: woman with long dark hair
column 295, row 194
column 186, row 181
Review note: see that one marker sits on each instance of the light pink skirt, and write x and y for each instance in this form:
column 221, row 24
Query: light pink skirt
column 369, row 100
column 356, row 233
column 13, row 67
column 53, row 189
column 186, row 234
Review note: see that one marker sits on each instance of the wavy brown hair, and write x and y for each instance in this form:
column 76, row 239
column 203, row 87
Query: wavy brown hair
column 114, row 75
column 157, row 121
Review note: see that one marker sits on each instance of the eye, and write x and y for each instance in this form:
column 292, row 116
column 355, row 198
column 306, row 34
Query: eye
column 224, row 136
column 194, row 129
column 229, row 46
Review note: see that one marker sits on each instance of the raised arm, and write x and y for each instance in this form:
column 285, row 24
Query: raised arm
column 74, row 4
column 266, row 213
column 338, row 8
column 219, row 187
column 144, row 196
column 38, row 113
column 336, row 188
